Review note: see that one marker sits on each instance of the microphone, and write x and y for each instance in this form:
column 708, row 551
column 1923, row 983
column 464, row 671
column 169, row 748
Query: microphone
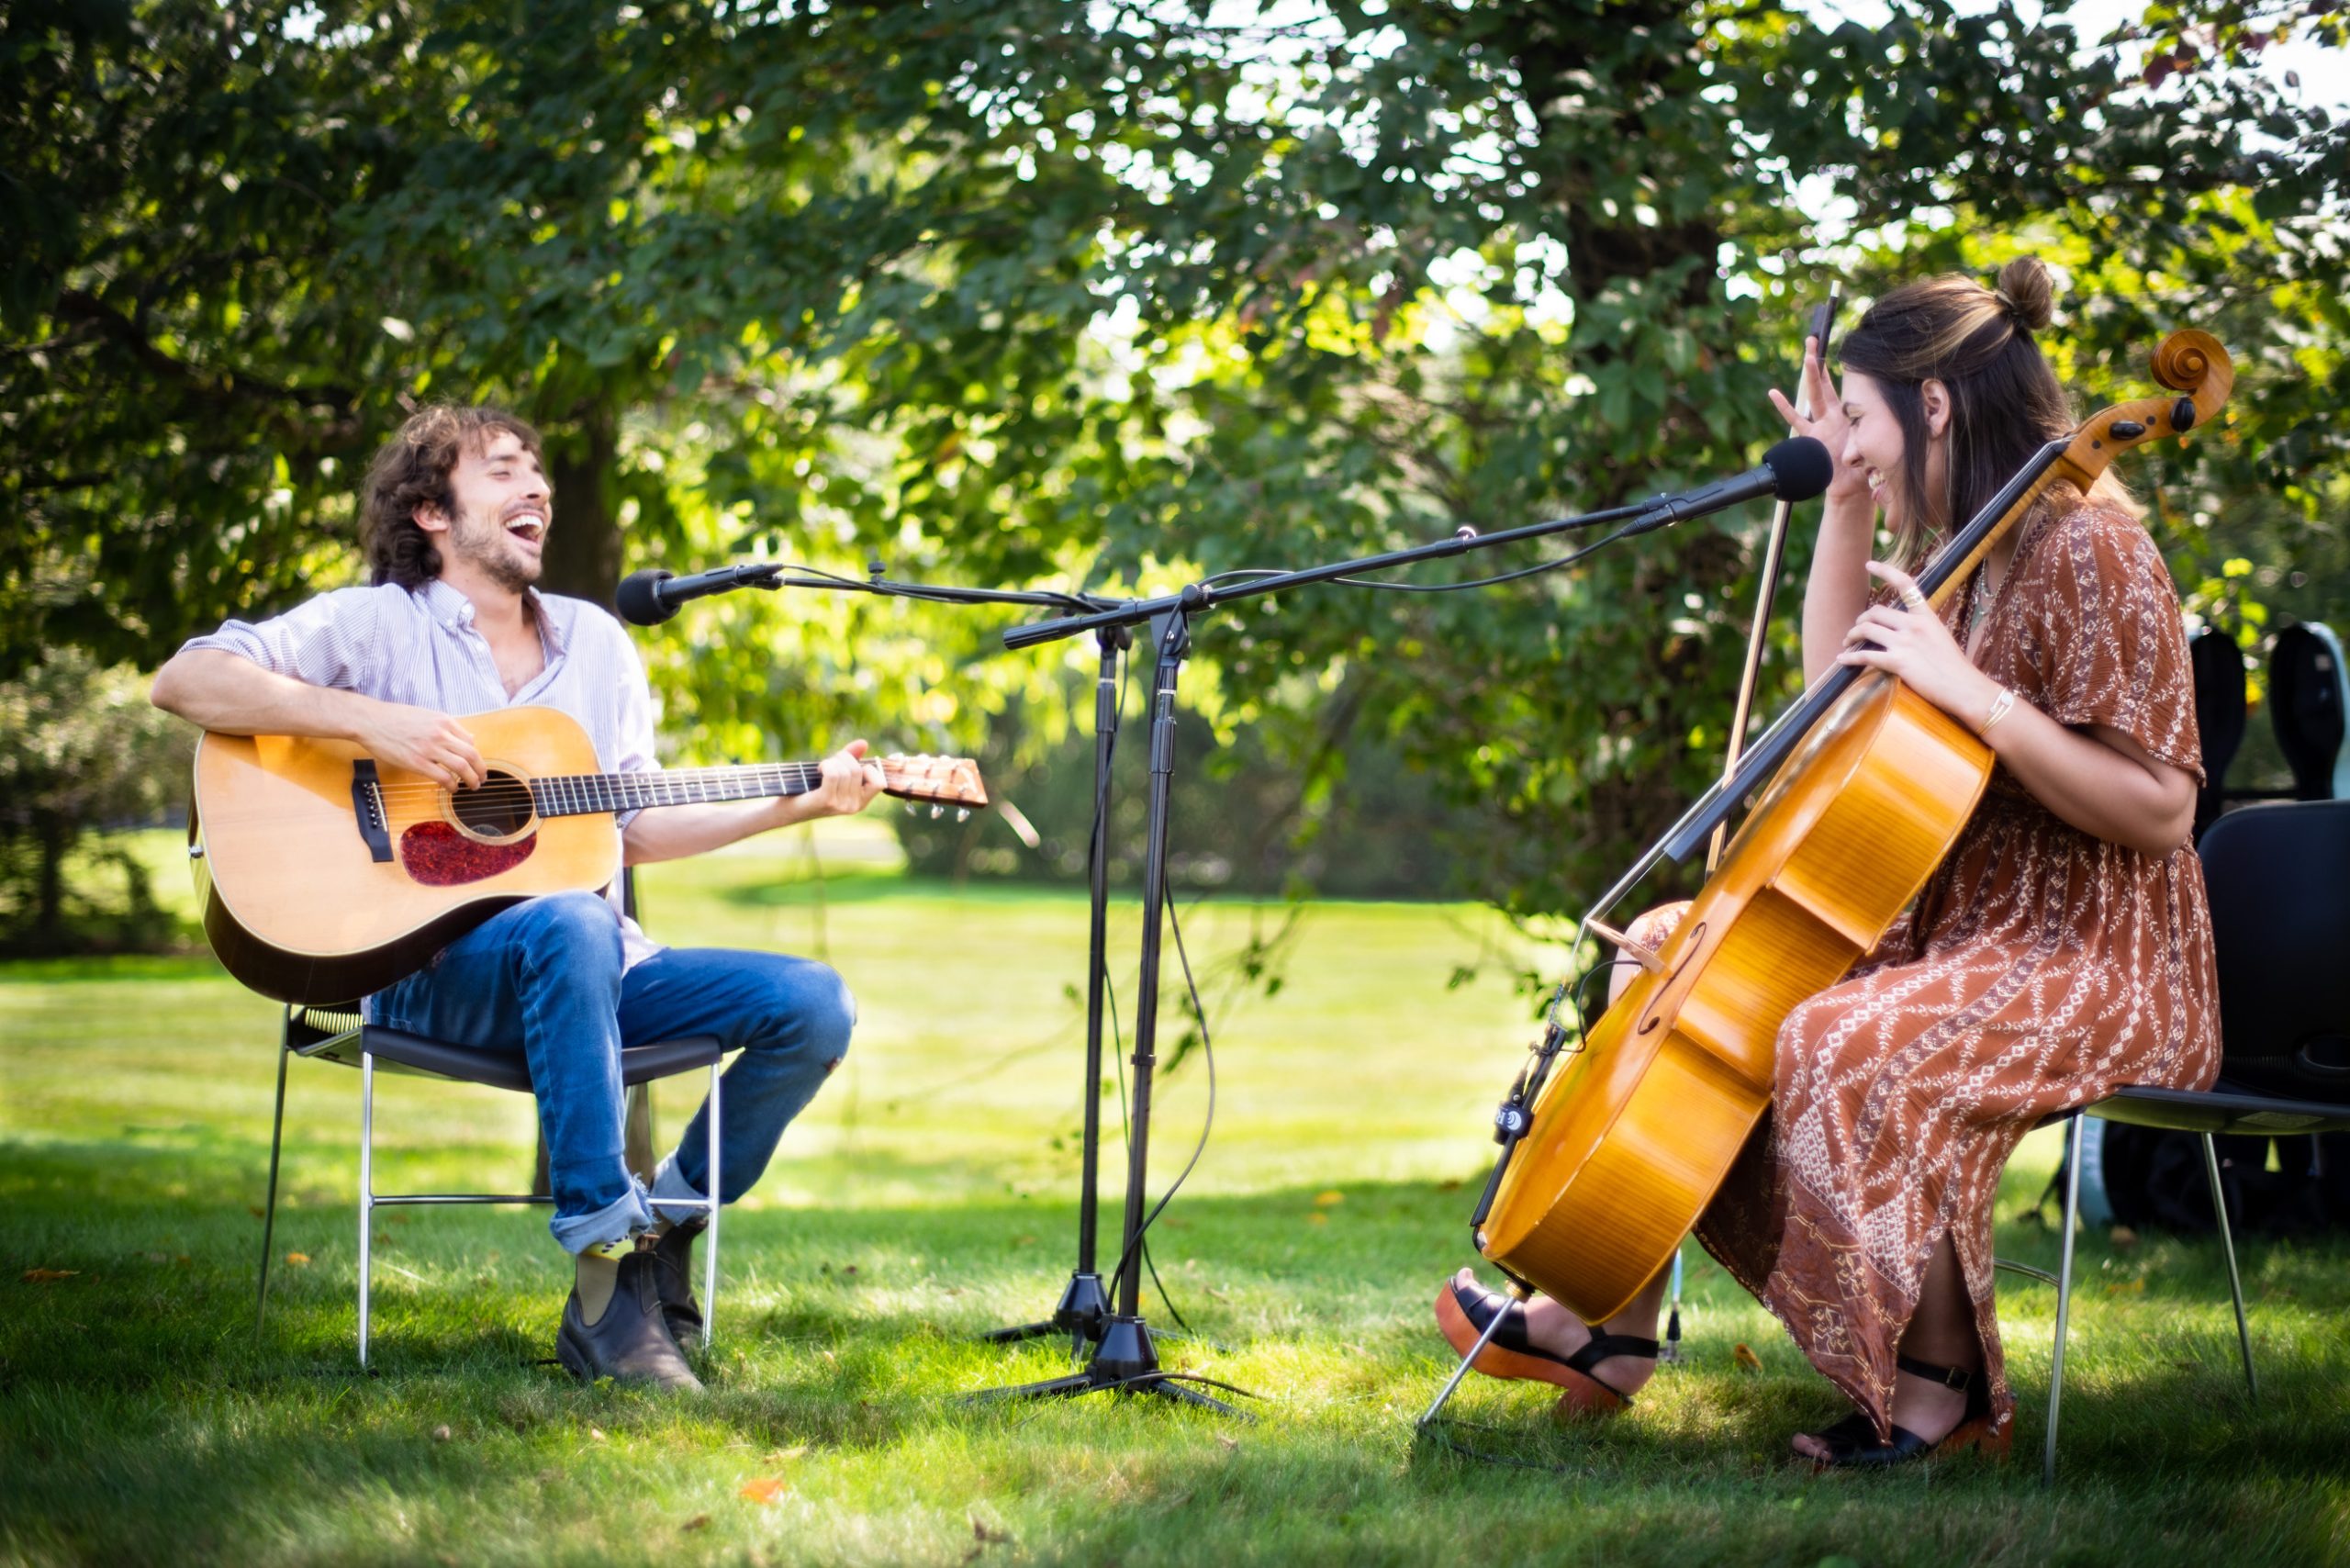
column 1795, row 470
column 650, row 597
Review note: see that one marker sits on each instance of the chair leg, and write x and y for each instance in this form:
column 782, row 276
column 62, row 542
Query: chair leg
column 710, row 1257
column 269, row 1213
column 2228, row 1245
column 2064, row 1292
column 366, row 1188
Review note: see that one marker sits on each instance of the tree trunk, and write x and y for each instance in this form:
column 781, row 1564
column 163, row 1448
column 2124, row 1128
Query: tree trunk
column 55, row 834
column 583, row 555
column 582, row 561
column 639, row 1146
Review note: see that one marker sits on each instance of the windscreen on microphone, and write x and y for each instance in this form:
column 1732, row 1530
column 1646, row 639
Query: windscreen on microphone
column 640, row 604
column 1801, row 466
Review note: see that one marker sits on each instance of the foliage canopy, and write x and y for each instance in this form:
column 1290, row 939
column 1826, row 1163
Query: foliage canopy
column 1118, row 295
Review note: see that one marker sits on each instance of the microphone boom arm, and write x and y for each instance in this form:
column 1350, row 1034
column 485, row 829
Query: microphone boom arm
column 1659, row 512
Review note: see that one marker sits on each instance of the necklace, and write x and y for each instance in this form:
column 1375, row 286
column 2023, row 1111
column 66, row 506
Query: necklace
column 1979, row 604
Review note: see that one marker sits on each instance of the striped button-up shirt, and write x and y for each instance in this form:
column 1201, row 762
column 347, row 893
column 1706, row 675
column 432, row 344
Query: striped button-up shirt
column 422, row 649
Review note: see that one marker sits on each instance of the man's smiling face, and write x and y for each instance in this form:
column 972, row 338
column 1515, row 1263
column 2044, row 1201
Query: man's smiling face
column 504, row 507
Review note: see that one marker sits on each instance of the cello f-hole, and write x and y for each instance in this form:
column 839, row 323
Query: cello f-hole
column 1653, row 1019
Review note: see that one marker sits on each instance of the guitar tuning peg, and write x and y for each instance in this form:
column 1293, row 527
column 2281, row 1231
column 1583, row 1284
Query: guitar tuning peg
column 962, row 814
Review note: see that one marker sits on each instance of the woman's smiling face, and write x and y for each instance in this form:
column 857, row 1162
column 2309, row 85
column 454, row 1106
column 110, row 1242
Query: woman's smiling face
column 1877, row 446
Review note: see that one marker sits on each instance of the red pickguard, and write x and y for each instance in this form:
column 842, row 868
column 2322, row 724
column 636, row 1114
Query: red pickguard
column 439, row 856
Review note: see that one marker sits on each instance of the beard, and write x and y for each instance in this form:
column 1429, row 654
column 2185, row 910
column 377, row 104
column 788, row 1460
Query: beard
column 483, row 544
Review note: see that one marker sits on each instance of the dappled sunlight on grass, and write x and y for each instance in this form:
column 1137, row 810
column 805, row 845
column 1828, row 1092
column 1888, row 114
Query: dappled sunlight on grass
column 927, row 1197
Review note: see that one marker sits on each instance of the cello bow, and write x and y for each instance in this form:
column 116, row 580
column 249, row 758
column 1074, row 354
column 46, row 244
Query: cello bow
column 1823, row 324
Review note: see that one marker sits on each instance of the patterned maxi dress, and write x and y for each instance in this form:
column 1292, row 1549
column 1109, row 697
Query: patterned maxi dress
column 2040, row 968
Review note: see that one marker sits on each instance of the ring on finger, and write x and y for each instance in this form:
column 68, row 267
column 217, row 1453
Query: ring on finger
column 1912, row 599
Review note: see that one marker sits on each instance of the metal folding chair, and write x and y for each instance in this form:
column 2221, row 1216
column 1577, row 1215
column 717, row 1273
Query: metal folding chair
column 338, row 1035
column 2210, row 1114
column 2280, row 880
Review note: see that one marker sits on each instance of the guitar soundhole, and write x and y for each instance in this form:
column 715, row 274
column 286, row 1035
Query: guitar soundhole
column 499, row 809
column 438, row 855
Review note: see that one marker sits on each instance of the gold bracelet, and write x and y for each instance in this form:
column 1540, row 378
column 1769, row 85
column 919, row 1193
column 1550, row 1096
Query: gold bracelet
column 1999, row 706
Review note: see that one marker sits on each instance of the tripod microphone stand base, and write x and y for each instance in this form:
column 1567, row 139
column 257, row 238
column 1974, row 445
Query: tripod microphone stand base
column 1123, row 1363
column 1084, row 1308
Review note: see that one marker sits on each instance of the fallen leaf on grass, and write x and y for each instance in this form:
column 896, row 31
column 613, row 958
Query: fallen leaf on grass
column 1227, row 1440
column 2122, row 1237
column 1324, row 1199
column 1317, row 1217
column 299, row 1259
column 441, row 1433
column 596, row 1434
column 986, row 1535
column 699, row 1521
column 785, row 1456
column 765, row 1488
column 48, row 1276
column 255, row 1210
column 1743, row 1357
column 2118, row 1286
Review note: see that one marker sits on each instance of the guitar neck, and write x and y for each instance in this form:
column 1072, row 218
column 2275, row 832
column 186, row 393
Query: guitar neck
column 580, row 794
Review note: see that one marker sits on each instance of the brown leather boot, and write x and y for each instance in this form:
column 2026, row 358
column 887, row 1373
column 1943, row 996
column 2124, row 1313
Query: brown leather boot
column 630, row 1343
column 674, row 1255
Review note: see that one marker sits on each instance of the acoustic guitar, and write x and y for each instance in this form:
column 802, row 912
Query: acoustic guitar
column 325, row 874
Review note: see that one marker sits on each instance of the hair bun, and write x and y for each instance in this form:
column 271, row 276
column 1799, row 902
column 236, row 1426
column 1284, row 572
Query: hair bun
column 2026, row 292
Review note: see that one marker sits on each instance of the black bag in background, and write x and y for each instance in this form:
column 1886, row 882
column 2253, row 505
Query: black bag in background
column 2279, row 882
column 2147, row 1179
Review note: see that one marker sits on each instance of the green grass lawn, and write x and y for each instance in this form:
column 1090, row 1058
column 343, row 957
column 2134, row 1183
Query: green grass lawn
column 929, row 1194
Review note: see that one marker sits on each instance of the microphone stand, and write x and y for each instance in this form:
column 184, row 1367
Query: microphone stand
column 1124, row 1359
column 1084, row 1305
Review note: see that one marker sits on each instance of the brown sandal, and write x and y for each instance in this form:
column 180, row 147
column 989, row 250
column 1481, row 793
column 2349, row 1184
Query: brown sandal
column 1512, row 1353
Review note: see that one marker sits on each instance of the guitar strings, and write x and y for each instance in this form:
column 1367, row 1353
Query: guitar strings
column 509, row 784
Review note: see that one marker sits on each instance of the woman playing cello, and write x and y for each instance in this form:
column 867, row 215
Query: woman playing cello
column 2062, row 949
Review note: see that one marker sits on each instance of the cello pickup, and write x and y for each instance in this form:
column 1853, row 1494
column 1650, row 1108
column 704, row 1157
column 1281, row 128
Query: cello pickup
column 1646, row 958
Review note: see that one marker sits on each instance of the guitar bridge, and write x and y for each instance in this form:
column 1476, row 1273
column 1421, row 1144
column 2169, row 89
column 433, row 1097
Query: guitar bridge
column 367, row 805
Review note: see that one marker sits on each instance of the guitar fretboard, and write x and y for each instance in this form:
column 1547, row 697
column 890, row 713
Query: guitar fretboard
column 578, row 794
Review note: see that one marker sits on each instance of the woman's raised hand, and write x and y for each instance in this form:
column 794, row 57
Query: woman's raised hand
column 1826, row 423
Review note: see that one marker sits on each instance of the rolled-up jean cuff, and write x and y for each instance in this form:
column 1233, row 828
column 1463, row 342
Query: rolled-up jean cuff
column 667, row 1183
column 625, row 1217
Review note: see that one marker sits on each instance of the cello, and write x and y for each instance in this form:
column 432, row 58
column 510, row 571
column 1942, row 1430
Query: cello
column 1612, row 1146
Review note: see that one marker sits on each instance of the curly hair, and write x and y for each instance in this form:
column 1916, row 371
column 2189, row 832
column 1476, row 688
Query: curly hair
column 411, row 471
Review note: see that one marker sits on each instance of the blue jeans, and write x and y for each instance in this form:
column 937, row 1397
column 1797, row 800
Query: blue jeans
column 545, row 976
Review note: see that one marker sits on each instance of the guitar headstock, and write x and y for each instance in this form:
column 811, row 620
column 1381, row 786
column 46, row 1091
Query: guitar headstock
column 940, row 780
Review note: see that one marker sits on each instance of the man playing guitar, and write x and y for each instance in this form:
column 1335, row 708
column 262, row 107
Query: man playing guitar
column 454, row 520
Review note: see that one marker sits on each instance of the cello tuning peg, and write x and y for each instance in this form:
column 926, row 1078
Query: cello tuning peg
column 2128, row 430
column 2182, row 415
